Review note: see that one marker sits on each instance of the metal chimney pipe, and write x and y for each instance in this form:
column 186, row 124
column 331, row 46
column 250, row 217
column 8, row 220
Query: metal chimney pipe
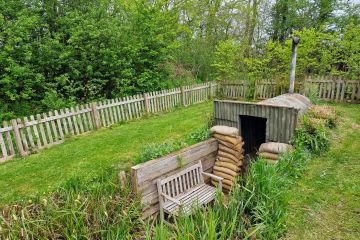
column 295, row 42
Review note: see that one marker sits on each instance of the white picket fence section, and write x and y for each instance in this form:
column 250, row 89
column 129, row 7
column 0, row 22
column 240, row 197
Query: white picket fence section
column 23, row 136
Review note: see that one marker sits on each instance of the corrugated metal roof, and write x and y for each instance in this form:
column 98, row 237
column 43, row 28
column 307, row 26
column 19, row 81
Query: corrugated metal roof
column 294, row 100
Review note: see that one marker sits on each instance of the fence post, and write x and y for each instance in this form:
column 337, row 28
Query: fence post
column 255, row 89
column 210, row 91
column 183, row 102
column 147, row 103
column 95, row 116
column 17, row 137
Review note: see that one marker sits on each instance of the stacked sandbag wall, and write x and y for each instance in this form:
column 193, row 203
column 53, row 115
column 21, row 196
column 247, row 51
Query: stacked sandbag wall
column 271, row 151
column 230, row 155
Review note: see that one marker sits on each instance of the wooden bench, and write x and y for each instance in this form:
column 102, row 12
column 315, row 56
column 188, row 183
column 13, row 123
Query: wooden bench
column 185, row 190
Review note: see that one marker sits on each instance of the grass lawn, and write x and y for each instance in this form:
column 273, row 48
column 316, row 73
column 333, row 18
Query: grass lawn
column 326, row 202
column 85, row 156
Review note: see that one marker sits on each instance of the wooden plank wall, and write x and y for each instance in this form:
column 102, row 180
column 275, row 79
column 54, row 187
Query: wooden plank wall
column 145, row 175
column 333, row 89
column 234, row 90
column 281, row 121
column 23, row 136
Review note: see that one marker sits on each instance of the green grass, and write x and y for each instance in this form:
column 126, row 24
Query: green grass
column 86, row 156
column 325, row 204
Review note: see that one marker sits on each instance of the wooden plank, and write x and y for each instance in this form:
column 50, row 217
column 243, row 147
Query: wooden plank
column 75, row 122
column 36, row 133
column 48, row 130
column 89, row 116
column 17, row 137
column 59, row 126
column 85, row 119
column 343, row 88
column 79, row 119
column 123, row 113
column 29, row 133
column 148, row 171
column 23, row 135
column 3, row 148
column 42, row 130
column 63, row 115
column 353, row 88
column 68, row 117
column 118, row 110
column 111, row 112
column 115, row 111
column 106, row 110
column 9, row 139
column 53, row 126
column 130, row 111
column 136, row 108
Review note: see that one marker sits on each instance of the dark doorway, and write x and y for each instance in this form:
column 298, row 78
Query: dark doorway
column 253, row 131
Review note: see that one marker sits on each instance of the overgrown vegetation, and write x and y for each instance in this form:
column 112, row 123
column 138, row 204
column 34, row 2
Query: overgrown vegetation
column 58, row 53
column 153, row 151
column 99, row 209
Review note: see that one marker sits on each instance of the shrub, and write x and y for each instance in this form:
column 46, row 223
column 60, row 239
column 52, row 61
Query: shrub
column 311, row 136
column 326, row 113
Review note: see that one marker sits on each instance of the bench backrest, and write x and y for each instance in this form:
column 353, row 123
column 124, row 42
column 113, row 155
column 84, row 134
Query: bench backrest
column 182, row 181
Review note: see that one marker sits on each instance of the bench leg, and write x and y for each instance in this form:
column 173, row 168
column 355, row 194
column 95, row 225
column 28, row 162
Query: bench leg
column 161, row 214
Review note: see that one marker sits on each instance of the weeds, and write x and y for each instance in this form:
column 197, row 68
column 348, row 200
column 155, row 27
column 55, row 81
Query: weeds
column 99, row 209
column 311, row 136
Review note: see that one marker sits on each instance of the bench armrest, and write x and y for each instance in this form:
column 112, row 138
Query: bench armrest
column 219, row 179
column 171, row 199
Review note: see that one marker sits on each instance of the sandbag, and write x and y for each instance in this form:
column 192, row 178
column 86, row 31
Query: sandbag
column 223, row 175
column 271, row 161
column 237, row 154
column 230, row 166
column 237, row 147
column 226, row 170
column 222, row 159
column 268, row 155
column 226, row 188
column 225, row 130
column 232, row 140
column 229, row 156
column 275, row 147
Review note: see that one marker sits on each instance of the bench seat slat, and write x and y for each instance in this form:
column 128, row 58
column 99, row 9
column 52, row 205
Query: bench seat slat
column 200, row 195
column 187, row 190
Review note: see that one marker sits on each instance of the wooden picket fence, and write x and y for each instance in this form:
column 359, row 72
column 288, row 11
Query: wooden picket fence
column 23, row 136
column 264, row 89
column 234, row 90
column 333, row 89
column 325, row 88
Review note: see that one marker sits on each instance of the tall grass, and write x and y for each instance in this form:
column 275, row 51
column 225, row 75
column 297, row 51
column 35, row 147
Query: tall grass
column 100, row 209
column 223, row 220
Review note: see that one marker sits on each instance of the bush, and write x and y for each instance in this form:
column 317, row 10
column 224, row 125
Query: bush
column 311, row 136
